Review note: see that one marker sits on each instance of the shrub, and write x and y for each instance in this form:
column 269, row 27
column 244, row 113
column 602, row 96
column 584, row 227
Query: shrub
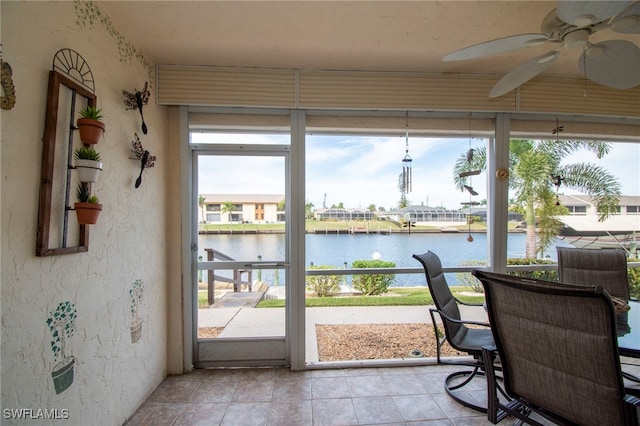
column 634, row 280
column 323, row 285
column 549, row 275
column 469, row 280
column 466, row 279
column 372, row 284
column 552, row 275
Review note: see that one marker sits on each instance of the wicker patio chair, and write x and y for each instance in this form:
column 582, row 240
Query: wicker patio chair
column 558, row 351
column 604, row 267
column 457, row 333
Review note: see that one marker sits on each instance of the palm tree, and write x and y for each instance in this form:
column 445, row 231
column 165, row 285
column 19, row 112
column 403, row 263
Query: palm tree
column 535, row 167
column 403, row 202
column 201, row 200
column 308, row 209
column 227, row 207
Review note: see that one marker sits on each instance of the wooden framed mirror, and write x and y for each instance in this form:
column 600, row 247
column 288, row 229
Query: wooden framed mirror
column 57, row 228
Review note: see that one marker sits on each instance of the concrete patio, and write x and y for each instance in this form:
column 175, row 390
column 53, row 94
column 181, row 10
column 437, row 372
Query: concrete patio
column 244, row 321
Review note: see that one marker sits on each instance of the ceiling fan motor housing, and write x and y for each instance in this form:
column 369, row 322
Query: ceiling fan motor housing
column 576, row 39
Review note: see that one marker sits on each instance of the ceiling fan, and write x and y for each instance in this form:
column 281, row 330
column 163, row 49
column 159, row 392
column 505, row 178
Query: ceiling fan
column 612, row 63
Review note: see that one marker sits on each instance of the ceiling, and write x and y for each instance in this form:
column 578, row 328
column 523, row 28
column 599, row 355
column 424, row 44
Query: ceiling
column 339, row 35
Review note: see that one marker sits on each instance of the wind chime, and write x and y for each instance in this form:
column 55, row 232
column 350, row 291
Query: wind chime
column 557, row 179
column 405, row 183
column 468, row 187
column 471, row 191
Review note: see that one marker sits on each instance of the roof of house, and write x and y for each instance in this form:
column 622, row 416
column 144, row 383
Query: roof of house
column 585, row 200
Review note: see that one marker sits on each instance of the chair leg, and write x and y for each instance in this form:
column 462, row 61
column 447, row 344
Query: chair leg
column 450, row 389
column 493, row 404
column 496, row 411
column 435, row 333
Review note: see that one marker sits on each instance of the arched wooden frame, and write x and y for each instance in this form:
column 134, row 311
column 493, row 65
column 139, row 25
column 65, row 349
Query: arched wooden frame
column 55, row 114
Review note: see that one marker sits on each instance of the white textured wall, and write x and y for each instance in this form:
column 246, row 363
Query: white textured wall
column 112, row 374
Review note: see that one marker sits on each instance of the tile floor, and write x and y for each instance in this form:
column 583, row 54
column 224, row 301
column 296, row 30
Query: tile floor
column 277, row 396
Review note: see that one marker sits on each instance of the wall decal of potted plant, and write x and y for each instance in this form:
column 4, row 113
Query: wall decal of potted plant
column 136, row 294
column 62, row 323
column 90, row 126
column 88, row 207
column 87, row 163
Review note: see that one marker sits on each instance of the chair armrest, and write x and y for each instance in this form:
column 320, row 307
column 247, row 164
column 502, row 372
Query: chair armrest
column 467, row 303
column 633, row 400
column 457, row 321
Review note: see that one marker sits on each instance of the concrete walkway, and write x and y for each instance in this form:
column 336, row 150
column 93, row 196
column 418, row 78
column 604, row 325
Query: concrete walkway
column 262, row 322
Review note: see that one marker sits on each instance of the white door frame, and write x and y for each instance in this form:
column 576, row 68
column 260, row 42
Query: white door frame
column 288, row 350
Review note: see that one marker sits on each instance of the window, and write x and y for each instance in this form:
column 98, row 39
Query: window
column 213, row 217
column 577, row 168
column 577, row 210
column 352, row 188
column 259, row 209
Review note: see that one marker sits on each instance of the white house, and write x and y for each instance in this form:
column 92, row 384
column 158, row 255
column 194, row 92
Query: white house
column 247, row 208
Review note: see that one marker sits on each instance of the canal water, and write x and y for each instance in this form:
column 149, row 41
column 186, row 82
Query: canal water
column 334, row 250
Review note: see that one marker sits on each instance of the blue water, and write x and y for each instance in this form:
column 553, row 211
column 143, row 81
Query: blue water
column 334, row 250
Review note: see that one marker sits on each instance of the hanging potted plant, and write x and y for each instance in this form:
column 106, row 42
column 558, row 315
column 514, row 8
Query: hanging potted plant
column 90, row 126
column 88, row 164
column 88, row 207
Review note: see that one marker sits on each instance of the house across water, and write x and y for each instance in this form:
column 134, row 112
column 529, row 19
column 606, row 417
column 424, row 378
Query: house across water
column 241, row 208
column 581, row 227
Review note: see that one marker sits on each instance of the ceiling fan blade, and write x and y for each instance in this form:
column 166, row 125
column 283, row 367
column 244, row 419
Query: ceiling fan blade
column 618, row 66
column 523, row 73
column 582, row 13
column 497, row 46
column 628, row 21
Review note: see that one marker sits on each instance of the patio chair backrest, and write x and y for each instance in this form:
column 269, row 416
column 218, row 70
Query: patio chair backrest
column 440, row 291
column 557, row 347
column 604, row 267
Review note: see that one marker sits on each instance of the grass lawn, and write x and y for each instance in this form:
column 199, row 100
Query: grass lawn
column 396, row 296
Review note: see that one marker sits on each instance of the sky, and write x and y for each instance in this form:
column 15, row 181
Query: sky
column 359, row 171
column 362, row 170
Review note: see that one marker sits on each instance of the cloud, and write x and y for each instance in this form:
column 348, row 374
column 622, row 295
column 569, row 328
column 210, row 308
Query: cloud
column 362, row 170
column 623, row 162
column 359, row 171
column 241, row 175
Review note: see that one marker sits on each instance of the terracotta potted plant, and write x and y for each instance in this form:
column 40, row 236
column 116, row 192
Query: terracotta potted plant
column 88, row 207
column 90, row 126
column 87, row 163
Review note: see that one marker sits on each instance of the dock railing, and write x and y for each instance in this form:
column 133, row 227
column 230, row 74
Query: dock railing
column 237, row 280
